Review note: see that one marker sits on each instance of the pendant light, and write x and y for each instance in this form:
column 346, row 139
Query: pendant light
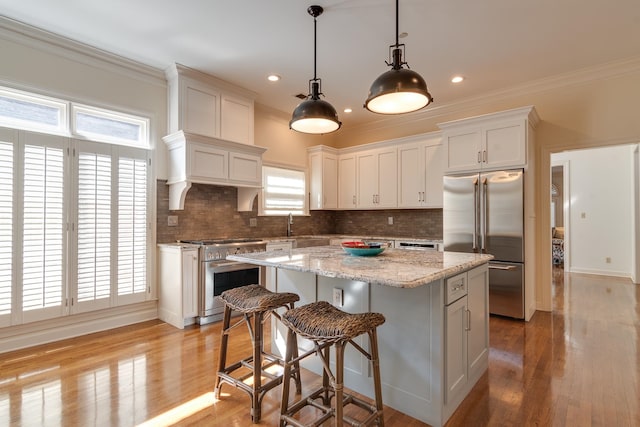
column 315, row 115
column 399, row 90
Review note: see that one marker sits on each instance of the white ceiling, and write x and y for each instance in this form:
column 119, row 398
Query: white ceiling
column 495, row 44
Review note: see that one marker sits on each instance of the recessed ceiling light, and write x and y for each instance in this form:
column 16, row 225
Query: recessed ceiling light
column 457, row 79
column 348, row 110
column 273, row 77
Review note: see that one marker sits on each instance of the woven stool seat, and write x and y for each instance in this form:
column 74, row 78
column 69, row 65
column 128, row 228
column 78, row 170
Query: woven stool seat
column 252, row 298
column 322, row 321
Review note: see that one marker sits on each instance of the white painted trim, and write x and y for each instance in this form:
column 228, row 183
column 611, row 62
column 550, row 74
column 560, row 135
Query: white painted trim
column 596, row 272
column 37, row 38
column 28, row 335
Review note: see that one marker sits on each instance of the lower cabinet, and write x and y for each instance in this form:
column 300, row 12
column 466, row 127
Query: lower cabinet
column 433, row 346
column 466, row 331
column 177, row 285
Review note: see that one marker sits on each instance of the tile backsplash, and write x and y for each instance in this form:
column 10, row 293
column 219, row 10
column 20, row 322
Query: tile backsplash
column 211, row 212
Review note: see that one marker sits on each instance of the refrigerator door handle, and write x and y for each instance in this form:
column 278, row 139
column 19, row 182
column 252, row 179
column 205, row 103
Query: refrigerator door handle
column 483, row 222
column 502, row 267
column 476, row 215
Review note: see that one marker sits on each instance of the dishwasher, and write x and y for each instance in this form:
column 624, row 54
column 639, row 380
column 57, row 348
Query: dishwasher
column 420, row 245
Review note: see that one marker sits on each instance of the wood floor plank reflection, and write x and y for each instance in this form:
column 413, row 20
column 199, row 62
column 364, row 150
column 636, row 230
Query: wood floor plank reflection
column 576, row 366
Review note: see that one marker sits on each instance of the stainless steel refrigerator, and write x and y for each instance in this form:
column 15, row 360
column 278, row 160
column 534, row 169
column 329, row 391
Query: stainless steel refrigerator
column 484, row 213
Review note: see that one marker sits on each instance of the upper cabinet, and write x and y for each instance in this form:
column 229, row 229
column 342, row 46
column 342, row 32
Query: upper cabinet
column 205, row 160
column 323, row 177
column 420, row 172
column 347, row 198
column 489, row 142
column 377, row 178
column 211, row 125
column 204, row 105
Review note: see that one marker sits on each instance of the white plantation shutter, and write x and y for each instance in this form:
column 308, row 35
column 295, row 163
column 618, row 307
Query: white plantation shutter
column 283, row 192
column 43, row 227
column 94, row 204
column 132, row 224
column 6, row 229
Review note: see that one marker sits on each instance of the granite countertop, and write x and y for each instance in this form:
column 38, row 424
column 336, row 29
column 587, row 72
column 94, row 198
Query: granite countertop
column 394, row 267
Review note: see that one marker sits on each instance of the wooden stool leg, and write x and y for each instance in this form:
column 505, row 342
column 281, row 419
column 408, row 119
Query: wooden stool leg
column 339, row 383
column 257, row 367
column 296, row 365
column 326, row 399
column 290, row 353
column 222, row 357
column 377, row 382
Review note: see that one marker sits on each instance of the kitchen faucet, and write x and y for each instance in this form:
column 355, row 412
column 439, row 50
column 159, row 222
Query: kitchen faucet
column 289, row 222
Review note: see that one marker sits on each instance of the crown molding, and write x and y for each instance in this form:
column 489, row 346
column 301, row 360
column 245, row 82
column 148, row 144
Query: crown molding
column 37, row 38
column 578, row 77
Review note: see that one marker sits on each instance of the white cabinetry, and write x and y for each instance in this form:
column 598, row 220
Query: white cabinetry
column 466, row 331
column 347, row 198
column 420, row 172
column 204, row 160
column 178, row 269
column 323, row 177
column 202, row 104
column 489, row 142
column 377, row 178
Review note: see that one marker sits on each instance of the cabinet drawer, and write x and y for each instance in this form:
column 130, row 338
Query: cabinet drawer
column 456, row 287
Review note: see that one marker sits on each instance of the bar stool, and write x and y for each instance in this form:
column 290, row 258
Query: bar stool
column 325, row 326
column 256, row 304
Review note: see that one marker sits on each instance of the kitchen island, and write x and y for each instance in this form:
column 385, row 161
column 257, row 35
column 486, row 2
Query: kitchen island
column 434, row 345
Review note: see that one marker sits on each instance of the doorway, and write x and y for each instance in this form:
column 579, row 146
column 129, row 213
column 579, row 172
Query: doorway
column 606, row 200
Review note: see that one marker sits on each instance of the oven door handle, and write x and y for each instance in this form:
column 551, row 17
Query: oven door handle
column 225, row 267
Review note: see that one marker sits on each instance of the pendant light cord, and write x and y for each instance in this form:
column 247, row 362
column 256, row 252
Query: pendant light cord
column 315, row 47
column 397, row 24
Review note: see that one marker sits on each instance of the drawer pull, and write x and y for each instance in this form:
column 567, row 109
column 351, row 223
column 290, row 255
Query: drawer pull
column 502, row 267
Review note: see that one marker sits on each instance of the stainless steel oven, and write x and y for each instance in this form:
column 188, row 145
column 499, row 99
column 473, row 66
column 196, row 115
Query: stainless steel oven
column 217, row 274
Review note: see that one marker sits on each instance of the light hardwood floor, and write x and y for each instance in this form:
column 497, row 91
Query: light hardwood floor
column 576, row 366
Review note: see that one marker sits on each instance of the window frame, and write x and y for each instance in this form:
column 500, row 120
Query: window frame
column 144, row 124
column 62, row 106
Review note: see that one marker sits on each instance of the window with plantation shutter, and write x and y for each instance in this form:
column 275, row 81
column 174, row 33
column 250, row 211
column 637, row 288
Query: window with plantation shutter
column 132, row 224
column 284, row 191
column 94, row 204
column 74, row 213
column 43, row 227
column 6, row 229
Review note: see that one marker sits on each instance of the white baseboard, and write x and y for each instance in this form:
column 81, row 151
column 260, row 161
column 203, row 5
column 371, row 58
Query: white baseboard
column 625, row 274
column 28, row 335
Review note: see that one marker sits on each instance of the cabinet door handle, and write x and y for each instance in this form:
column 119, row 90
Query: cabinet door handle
column 354, row 200
column 484, row 156
column 468, row 320
column 479, row 158
column 419, row 196
column 373, row 198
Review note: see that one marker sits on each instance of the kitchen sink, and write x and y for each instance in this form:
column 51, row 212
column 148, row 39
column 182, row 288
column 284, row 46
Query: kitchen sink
column 307, row 242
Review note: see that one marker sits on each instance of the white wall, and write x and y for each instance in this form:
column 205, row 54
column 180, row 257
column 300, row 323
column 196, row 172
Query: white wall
column 601, row 208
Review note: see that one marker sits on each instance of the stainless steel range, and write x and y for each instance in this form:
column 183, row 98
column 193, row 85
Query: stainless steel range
column 217, row 274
